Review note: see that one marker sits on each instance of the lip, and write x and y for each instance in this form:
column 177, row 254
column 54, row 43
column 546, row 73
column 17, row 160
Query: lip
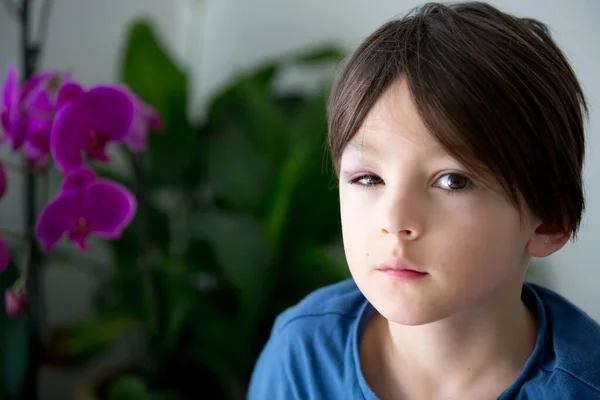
column 399, row 269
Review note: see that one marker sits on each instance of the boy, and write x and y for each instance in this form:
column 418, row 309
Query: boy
column 457, row 134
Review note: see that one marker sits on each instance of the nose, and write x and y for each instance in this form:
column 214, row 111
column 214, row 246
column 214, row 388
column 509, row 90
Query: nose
column 402, row 215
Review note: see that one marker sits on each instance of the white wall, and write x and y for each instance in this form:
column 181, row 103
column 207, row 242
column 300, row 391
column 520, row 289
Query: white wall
column 215, row 38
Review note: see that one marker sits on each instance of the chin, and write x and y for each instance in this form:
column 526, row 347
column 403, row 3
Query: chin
column 408, row 306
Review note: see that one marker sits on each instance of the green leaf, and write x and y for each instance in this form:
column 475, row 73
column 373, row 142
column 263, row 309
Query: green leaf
column 249, row 104
column 236, row 171
column 240, row 248
column 331, row 258
column 302, row 200
column 14, row 340
column 83, row 340
column 128, row 388
column 314, row 200
column 158, row 234
column 238, row 242
column 152, row 74
column 226, row 103
column 324, row 53
column 177, row 299
column 266, row 118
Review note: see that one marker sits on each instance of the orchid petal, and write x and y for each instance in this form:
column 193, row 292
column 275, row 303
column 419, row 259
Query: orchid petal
column 37, row 82
column 109, row 207
column 58, row 217
column 78, row 179
column 98, row 150
column 10, row 98
column 11, row 303
column 38, row 141
column 18, row 132
column 151, row 116
column 146, row 118
column 5, row 121
column 35, row 156
column 10, row 87
column 15, row 302
column 137, row 139
column 39, row 124
column 79, row 236
column 109, row 110
column 4, row 255
column 39, row 103
column 69, row 91
column 69, row 136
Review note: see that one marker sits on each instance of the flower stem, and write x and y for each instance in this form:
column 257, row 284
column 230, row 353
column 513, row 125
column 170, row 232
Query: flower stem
column 44, row 19
column 34, row 258
column 27, row 270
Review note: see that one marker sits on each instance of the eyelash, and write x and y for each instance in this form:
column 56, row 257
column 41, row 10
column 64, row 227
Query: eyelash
column 356, row 181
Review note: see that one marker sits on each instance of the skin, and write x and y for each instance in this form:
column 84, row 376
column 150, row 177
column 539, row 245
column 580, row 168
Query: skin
column 461, row 331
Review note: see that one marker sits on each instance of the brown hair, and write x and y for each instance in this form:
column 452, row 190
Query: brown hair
column 494, row 89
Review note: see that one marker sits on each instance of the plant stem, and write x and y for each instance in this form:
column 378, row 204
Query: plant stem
column 29, row 54
column 44, row 22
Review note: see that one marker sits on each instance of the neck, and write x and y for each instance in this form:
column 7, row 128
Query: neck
column 491, row 342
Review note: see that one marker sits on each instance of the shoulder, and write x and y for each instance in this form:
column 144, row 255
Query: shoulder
column 342, row 300
column 308, row 344
column 571, row 350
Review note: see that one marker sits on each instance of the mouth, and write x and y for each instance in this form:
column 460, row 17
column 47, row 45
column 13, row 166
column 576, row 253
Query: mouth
column 399, row 269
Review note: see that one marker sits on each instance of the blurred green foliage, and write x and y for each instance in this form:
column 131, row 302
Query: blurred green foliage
column 238, row 219
column 14, row 341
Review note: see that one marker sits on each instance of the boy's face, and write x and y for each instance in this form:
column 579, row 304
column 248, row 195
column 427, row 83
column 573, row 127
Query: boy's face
column 405, row 200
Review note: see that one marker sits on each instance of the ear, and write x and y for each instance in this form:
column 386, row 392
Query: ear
column 548, row 238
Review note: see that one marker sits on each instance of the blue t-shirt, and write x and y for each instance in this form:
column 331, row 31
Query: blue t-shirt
column 313, row 351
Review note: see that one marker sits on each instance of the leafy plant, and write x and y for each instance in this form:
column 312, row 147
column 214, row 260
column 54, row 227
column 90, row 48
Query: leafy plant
column 237, row 220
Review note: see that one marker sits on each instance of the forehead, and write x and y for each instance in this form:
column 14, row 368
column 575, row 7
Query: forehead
column 394, row 122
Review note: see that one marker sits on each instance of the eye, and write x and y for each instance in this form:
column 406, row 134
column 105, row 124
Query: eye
column 366, row 180
column 454, row 182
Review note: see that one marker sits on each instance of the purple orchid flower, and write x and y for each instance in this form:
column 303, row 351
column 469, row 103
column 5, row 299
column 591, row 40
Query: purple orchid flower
column 87, row 121
column 10, row 102
column 28, row 112
column 146, row 119
column 39, row 124
column 16, row 301
column 86, row 204
column 4, row 255
column 42, row 105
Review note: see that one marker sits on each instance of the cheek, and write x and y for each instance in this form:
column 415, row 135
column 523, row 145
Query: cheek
column 487, row 240
column 358, row 232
